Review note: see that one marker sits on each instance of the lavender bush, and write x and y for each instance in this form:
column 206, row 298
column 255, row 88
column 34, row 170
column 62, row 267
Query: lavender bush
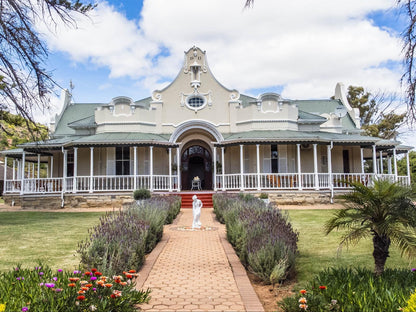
column 122, row 238
column 261, row 235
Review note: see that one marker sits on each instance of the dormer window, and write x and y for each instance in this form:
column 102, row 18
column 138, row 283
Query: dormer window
column 196, row 102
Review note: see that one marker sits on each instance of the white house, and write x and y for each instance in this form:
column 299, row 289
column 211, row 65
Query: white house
column 196, row 127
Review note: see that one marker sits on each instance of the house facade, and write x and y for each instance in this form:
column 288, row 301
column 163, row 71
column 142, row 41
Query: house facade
column 196, row 134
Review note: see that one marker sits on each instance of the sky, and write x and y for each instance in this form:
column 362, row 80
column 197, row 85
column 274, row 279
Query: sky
column 299, row 49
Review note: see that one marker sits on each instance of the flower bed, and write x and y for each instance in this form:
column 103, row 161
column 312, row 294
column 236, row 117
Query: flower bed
column 42, row 289
column 261, row 235
column 349, row 290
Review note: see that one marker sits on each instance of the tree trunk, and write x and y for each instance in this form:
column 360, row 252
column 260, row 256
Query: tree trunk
column 381, row 246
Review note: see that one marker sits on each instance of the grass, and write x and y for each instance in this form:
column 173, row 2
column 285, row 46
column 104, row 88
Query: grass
column 317, row 251
column 1, row 200
column 52, row 237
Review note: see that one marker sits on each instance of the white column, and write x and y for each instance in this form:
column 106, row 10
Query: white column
column 241, row 167
column 258, row 166
column 408, row 168
column 329, row 156
column 47, row 169
column 299, row 167
column 5, row 173
column 223, row 168
column 389, row 170
column 22, row 187
column 178, row 168
column 151, row 168
column 315, row 166
column 362, row 159
column 374, row 160
column 28, row 170
column 38, row 173
column 33, row 170
column 91, row 169
column 170, row 169
column 51, row 167
column 14, row 169
column 74, row 180
column 215, row 168
column 19, row 171
column 381, row 163
column 64, row 174
column 135, row 167
column 395, row 164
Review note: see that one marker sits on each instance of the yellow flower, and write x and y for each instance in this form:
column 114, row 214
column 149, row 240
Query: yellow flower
column 2, row 307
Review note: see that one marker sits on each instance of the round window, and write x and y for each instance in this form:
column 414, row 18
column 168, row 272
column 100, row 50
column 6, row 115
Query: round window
column 195, row 102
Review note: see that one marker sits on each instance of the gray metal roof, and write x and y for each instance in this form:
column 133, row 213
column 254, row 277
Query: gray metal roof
column 114, row 138
column 84, row 123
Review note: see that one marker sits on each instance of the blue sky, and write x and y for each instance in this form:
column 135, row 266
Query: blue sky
column 299, row 49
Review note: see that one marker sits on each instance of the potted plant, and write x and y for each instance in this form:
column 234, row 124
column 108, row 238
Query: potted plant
column 140, row 195
column 264, row 197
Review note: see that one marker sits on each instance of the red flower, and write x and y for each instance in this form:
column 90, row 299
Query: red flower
column 132, row 271
column 129, row 276
column 322, row 287
column 93, row 270
column 87, row 273
column 98, row 273
column 71, row 285
column 113, row 296
column 303, row 291
column 80, row 298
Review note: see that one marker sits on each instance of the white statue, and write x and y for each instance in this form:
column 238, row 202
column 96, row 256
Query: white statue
column 196, row 211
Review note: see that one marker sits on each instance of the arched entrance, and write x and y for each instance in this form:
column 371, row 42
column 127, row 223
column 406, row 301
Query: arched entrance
column 196, row 161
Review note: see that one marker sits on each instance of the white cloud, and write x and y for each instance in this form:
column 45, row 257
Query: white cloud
column 305, row 46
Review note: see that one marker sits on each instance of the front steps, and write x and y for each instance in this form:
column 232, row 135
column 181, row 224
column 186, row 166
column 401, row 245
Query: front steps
column 205, row 197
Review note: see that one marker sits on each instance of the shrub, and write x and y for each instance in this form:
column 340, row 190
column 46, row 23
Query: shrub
column 341, row 289
column 141, row 194
column 122, row 238
column 261, row 236
column 264, row 196
column 118, row 241
column 42, row 289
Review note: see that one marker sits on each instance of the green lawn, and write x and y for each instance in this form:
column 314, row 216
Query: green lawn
column 318, row 251
column 51, row 237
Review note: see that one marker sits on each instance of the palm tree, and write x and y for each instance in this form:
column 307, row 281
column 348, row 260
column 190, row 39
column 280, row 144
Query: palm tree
column 384, row 212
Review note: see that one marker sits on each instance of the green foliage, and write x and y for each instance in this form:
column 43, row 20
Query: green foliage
column 351, row 290
column 264, row 196
column 43, row 289
column 141, row 194
column 385, row 212
column 122, row 238
column 377, row 118
column 261, row 236
column 402, row 168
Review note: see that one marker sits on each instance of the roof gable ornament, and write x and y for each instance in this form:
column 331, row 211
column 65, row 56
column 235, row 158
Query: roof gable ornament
column 194, row 65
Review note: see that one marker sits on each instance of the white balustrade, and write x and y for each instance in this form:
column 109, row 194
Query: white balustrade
column 268, row 181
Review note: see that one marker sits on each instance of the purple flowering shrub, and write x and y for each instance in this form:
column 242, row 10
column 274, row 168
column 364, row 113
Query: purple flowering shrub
column 261, row 235
column 122, row 238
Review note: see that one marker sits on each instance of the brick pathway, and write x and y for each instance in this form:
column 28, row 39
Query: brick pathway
column 196, row 270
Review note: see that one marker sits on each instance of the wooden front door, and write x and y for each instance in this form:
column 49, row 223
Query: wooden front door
column 196, row 161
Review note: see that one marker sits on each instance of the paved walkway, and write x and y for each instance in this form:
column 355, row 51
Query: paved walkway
column 196, row 270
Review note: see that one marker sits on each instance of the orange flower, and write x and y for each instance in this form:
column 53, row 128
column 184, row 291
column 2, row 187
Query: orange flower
column 302, row 300
column 71, row 285
column 100, row 283
column 104, row 278
column 322, row 287
column 80, row 298
column 88, row 285
column 81, row 292
column 132, row 271
column 84, row 288
column 109, row 285
column 303, row 306
column 123, row 283
column 87, row 273
column 74, row 279
column 303, row 291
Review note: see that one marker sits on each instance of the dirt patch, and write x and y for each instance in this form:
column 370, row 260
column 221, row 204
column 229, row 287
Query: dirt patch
column 269, row 295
